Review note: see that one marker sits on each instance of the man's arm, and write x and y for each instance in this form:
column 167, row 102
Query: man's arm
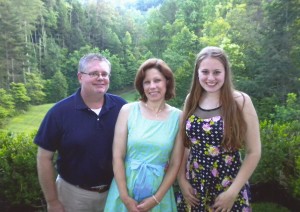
column 46, row 176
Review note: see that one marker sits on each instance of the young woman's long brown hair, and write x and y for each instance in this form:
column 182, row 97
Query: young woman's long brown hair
column 234, row 123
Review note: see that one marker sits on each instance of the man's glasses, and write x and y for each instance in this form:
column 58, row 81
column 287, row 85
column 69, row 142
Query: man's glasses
column 97, row 74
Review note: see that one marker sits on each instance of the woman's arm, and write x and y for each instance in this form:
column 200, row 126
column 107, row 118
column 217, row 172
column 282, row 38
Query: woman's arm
column 119, row 154
column 169, row 178
column 252, row 155
column 187, row 190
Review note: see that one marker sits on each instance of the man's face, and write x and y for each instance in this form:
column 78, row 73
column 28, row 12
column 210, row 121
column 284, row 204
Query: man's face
column 95, row 79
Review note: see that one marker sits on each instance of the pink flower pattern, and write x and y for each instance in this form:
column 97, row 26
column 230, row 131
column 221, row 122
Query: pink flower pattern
column 215, row 172
column 213, row 151
column 228, row 160
column 211, row 168
column 206, row 127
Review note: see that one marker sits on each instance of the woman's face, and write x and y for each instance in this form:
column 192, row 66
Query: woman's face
column 155, row 85
column 211, row 74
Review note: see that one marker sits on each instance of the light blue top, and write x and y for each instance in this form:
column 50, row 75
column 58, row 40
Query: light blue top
column 149, row 147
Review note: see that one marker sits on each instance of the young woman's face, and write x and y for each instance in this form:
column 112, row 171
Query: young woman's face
column 211, row 74
column 155, row 85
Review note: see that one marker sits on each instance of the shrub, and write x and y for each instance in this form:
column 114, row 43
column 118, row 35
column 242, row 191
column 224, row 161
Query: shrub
column 19, row 183
column 280, row 152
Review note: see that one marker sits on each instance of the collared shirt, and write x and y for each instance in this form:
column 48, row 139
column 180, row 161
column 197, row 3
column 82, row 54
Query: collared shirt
column 82, row 138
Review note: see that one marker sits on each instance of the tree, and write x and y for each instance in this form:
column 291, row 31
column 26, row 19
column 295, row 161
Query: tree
column 53, row 58
column 11, row 45
column 183, row 79
column 57, row 87
column 17, row 22
column 182, row 48
column 156, row 36
column 20, row 96
column 7, row 106
column 287, row 113
column 129, row 60
column 35, row 86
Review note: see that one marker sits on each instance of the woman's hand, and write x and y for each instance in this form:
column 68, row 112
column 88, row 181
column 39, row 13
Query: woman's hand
column 147, row 204
column 224, row 201
column 130, row 204
column 189, row 193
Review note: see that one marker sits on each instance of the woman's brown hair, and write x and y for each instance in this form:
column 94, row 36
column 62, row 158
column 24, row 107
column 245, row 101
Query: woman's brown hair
column 234, row 123
column 163, row 68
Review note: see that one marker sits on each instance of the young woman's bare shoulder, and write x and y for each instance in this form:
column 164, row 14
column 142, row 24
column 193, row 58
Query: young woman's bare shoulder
column 241, row 97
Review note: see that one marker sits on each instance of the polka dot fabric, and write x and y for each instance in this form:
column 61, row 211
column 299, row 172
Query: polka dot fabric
column 210, row 169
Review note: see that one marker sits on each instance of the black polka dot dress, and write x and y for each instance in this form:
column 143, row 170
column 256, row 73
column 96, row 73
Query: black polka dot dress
column 210, row 169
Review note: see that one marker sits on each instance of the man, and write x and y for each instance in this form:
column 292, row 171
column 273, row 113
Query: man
column 80, row 128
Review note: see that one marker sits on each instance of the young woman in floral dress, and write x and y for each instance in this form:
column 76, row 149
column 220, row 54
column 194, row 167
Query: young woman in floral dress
column 218, row 122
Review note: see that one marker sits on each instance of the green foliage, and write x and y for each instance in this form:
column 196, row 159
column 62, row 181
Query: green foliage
column 7, row 106
column 52, row 59
column 130, row 96
column 20, row 96
column 288, row 112
column 57, row 87
column 29, row 121
column 35, row 85
column 280, row 152
column 19, row 183
column 268, row 207
column 181, row 49
column 183, row 78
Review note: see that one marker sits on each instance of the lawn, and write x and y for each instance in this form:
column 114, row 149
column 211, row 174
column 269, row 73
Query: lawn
column 130, row 96
column 30, row 120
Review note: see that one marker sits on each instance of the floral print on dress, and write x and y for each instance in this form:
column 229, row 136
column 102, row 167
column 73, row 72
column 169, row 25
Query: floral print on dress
column 210, row 168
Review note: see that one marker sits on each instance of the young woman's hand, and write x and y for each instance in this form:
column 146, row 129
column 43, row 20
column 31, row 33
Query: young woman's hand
column 224, row 201
column 189, row 193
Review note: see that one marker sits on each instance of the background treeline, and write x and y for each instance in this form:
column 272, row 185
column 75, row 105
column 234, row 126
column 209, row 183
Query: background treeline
column 41, row 42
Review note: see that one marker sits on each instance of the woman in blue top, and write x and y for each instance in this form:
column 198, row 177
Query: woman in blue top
column 147, row 149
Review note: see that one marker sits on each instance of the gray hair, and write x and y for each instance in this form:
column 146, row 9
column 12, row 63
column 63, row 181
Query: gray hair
column 86, row 59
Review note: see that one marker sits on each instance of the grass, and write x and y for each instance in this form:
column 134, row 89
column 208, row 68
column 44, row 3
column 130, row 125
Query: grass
column 130, row 96
column 30, row 120
column 268, row 207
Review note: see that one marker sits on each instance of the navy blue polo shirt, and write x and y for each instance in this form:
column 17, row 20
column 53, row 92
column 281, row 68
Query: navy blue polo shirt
column 82, row 138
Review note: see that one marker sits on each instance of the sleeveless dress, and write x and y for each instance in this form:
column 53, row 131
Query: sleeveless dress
column 149, row 147
column 210, row 169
